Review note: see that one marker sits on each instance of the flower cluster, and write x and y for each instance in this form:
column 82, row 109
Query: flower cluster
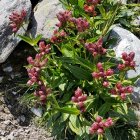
column 79, row 99
column 44, row 49
column 42, row 93
column 63, row 17
column 121, row 91
column 90, row 9
column 81, row 24
column 58, row 36
column 96, row 48
column 102, row 74
column 34, row 71
column 66, row 16
column 94, row 2
column 128, row 61
column 17, row 19
column 99, row 125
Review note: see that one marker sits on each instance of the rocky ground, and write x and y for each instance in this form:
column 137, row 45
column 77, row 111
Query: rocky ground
column 16, row 120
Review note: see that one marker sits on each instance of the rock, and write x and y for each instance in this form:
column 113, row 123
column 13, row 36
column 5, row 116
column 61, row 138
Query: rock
column 44, row 18
column 128, row 42
column 37, row 111
column 7, row 39
column 136, row 21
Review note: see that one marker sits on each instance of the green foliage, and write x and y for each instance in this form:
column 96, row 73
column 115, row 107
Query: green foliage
column 70, row 66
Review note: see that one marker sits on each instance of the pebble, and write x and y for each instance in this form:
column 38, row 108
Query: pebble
column 8, row 69
column 37, row 111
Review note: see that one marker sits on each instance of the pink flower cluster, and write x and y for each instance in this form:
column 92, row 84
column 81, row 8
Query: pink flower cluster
column 94, row 2
column 35, row 69
column 17, row 19
column 58, row 36
column 42, row 93
column 90, row 5
column 128, row 61
column 99, row 125
column 81, row 24
column 121, row 91
column 96, row 48
column 66, row 16
column 63, row 17
column 44, row 49
column 102, row 74
column 90, row 9
column 79, row 99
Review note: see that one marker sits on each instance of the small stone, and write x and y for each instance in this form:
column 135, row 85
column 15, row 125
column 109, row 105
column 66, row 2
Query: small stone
column 7, row 122
column 37, row 111
column 22, row 118
column 1, row 78
column 14, row 92
column 11, row 136
column 8, row 69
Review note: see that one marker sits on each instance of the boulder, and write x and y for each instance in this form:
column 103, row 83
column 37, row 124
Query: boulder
column 127, row 42
column 44, row 17
column 7, row 39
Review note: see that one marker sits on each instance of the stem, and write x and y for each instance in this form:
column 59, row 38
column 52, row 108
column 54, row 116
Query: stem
column 100, row 137
column 111, row 20
column 55, row 101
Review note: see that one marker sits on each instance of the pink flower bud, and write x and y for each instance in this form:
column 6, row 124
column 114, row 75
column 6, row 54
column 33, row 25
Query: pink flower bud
column 99, row 119
column 109, row 72
column 132, row 55
column 74, row 99
column 78, row 92
column 43, row 97
column 123, row 96
column 91, row 131
column 95, row 126
column 99, row 65
column 129, row 89
column 105, row 84
column 95, row 75
column 118, row 85
column 82, row 98
column 101, row 124
column 100, row 131
column 121, row 66
column 80, row 104
column 132, row 64
column 124, row 56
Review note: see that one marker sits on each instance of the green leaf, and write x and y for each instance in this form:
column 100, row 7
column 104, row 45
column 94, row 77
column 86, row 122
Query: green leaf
column 67, row 52
column 73, row 2
column 35, row 41
column 104, row 109
column 27, row 39
column 31, row 41
column 81, row 3
column 68, row 110
column 102, row 10
column 74, row 125
column 79, row 72
column 85, row 63
column 108, row 134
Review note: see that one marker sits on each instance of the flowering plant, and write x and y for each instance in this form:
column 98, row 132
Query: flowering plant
column 76, row 78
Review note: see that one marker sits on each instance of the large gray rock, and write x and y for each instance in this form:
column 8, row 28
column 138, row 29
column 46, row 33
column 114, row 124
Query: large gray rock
column 7, row 39
column 128, row 42
column 44, row 18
